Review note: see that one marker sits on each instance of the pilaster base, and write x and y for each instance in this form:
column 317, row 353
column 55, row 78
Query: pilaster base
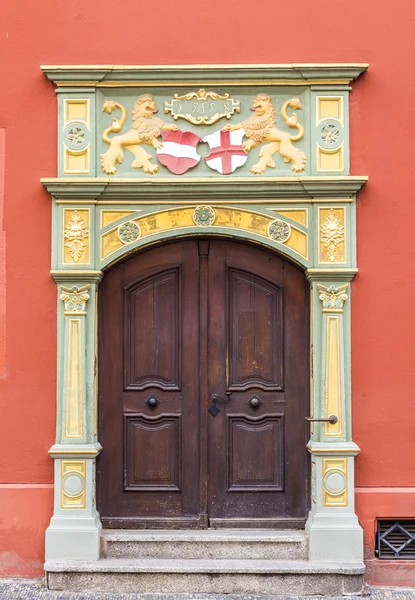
column 73, row 538
column 334, row 538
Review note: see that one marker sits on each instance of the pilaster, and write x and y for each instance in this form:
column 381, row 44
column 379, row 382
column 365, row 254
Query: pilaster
column 75, row 528
column 333, row 528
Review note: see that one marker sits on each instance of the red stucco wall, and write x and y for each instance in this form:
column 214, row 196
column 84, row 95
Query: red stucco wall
column 382, row 134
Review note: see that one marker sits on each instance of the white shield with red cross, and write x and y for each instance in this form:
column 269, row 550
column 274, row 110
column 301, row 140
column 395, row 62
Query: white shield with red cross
column 226, row 152
column 178, row 153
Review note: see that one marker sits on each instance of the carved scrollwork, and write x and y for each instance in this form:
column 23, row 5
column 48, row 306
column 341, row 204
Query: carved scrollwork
column 332, row 234
column 333, row 297
column 75, row 298
column 201, row 98
column 76, row 232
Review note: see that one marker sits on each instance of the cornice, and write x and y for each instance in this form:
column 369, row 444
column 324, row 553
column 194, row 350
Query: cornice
column 331, row 274
column 213, row 188
column 199, row 75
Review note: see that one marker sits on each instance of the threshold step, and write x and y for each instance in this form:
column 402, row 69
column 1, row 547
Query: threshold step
column 150, row 575
column 209, row 543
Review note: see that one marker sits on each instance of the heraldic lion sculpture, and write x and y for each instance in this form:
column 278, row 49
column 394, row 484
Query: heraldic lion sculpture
column 261, row 127
column 146, row 129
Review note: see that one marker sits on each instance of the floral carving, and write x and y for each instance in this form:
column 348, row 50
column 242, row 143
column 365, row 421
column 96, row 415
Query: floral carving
column 76, row 135
column 76, row 232
column 333, row 297
column 129, row 232
column 332, row 234
column 204, row 216
column 279, row 231
column 75, row 298
column 330, row 134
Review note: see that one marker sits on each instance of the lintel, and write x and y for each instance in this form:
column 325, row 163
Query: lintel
column 105, row 188
column 197, row 75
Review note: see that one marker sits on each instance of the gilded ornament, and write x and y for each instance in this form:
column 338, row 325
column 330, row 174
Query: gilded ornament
column 279, row 231
column 332, row 234
column 204, row 216
column 203, row 102
column 261, row 127
column 333, row 297
column 129, row 232
column 145, row 131
column 75, row 298
column 76, row 232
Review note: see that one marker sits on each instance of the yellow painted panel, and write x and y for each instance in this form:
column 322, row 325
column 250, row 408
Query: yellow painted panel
column 298, row 242
column 110, row 216
column 76, row 239
column 332, row 235
column 330, row 107
column 110, row 242
column 75, row 470
column 76, row 110
column 330, row 160
column 74, row 384
column 76, row 163
column 333, row 377
column 300, row 216
column 335, row 469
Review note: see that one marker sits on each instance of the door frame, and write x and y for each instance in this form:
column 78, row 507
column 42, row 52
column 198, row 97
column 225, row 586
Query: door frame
column 75, row 528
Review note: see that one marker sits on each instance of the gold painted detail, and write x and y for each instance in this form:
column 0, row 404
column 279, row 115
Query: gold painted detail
column 74, row 381
column 129, row 232
column 333, row 297
column 145, row 131
column 330, row 107
column 333, row 400
column 202, row 107
column 298, row 215
column 261, row 127
column 204, row 216
column 335, row 482
column 279, row 231
column 73, row 492
column 111, row 216
column 179, row 220
column 75, row 299
column 76, row 109
column 332, row 235
column 76, row 232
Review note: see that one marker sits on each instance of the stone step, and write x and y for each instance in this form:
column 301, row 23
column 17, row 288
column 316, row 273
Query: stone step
column 210, row 543
column 223, row 576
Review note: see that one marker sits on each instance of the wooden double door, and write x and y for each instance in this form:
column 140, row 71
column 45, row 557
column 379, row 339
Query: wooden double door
column 203, row 389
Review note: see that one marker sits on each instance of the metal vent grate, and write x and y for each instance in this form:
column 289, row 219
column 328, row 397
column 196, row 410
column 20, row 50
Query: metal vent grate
column 395, row 540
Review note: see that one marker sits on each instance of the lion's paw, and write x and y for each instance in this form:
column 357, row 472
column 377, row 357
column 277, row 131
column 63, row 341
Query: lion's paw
column 151, row 169
column 297, row 168
column 258, row 169
column 107, row 166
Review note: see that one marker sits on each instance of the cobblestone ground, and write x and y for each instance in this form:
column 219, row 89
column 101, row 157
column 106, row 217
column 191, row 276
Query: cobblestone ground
column 34, row 589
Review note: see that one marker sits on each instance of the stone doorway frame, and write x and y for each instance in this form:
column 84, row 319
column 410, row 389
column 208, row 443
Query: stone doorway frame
column 90, row 218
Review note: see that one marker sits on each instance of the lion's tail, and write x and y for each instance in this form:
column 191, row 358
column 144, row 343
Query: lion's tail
column 117, row 124
column 292, row 120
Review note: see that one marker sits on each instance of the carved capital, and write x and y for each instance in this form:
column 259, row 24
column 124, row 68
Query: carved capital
column 333, row 297
column 75, row 299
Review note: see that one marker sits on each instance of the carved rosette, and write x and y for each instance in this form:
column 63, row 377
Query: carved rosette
column 129, row 232
column 75, row 299
column 332, row 234
column 76, row 232
column 333, row 297
column 279, row 231
column 204, row 216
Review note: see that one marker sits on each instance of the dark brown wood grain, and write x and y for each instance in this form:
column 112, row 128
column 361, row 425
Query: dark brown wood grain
column 181, row 322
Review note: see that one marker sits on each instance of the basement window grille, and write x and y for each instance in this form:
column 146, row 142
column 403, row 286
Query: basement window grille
column 395, row 540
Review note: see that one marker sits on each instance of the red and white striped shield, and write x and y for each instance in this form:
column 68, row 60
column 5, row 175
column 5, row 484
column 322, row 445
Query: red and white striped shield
column 178, row 153
column 226, row 152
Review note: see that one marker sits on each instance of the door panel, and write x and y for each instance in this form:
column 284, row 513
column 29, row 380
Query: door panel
column 259, row 301
column 178, row 324
column 149, row 390
column 255, row 332
column 152, row 330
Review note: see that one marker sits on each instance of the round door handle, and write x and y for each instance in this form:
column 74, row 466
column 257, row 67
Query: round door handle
column 254, row 402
